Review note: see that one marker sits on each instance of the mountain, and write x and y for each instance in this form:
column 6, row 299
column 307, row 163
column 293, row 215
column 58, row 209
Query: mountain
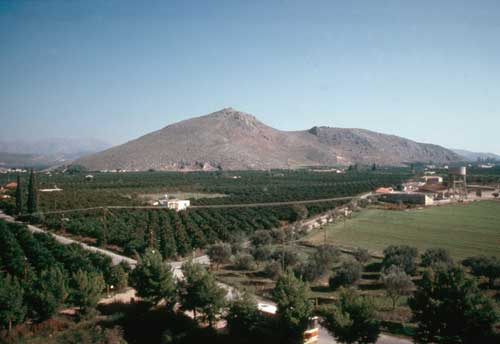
column 232, row 140
column 46, row 152
column 473, row 156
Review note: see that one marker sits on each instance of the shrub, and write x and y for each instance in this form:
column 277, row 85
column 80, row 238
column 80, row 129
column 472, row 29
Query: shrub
column 347, row 274
column 219, row 253
column 244, row 262
column 436, row 256
column 272, row 269
column 261, row 237
column 402, row 256
column 362, row 255
column 488, row 267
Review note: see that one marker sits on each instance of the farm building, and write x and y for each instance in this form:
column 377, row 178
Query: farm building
column 435, row 191
column 11, row 185
column 178, row 204
column 175, row 204
column 383, row 190
column 417, row 198
column 432, row 179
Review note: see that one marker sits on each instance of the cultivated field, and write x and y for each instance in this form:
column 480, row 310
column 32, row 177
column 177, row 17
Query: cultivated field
column 465, row 230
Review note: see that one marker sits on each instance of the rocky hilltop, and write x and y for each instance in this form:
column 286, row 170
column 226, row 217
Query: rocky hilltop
column 232, row 140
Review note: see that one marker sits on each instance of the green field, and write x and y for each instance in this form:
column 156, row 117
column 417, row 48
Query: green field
column 465, row 230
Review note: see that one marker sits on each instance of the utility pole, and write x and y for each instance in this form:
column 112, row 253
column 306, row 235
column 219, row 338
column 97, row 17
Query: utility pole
column 104, row 226
column 62, row 223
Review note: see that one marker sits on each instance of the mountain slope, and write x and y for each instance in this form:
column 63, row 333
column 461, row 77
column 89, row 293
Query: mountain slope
column 46, row 152
column 473, row 156
column 231, row 140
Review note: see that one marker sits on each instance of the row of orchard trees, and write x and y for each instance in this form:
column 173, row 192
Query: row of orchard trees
column 178, row 233
column 39, row 276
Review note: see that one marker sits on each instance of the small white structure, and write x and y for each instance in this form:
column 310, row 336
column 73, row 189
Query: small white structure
column 178, row 204
column 55, row 189
column 175, row 204
column 433, row 179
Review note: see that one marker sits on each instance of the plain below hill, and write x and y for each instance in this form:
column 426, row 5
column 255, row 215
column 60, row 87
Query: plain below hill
column 47, row 152
column 232, row 140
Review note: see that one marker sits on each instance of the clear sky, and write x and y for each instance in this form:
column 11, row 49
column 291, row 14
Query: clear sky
column 426, row 70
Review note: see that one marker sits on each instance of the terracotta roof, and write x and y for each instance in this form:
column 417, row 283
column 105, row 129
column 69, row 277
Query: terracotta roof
column 384, row 190
column 11, row 185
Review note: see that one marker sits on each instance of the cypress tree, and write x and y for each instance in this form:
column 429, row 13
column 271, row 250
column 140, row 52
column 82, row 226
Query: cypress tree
column 19, row 197
column 32, row 194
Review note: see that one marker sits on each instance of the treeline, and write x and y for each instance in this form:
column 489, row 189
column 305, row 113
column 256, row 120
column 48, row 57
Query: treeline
column 38, row 276
column 238, row 186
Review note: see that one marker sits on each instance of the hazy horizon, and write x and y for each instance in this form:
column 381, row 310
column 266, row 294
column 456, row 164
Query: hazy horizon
column 117, row 70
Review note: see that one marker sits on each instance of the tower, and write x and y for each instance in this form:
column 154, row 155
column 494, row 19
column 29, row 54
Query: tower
column 457, row 186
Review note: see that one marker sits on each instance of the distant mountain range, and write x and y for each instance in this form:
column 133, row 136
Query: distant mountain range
column 232, row 140
column 46, row 152
column 474, row 156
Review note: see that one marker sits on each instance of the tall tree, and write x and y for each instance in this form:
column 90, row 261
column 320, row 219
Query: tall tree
column 153, row 279
column 12, row 309
column 294, row 307
column 243, row 317
column 32, row 194
column 199, row 291
column 47, row 293
column 219, row 253
column 449, row 308
column 397, row 283
column 19, row 196
column 352, row 320
column 87, row 288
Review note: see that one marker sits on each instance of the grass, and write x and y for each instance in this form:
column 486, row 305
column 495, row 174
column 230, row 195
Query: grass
column 464, row 229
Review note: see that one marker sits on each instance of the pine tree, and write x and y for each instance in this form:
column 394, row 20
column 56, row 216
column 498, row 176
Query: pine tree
column 47, row 293
column 199, row 291
column 153, row 279
column 19, row 196
column 87, row 288
column 32, row 194
column 294, row 308
column 448, row 307
column 12, row 309
column 352, row 320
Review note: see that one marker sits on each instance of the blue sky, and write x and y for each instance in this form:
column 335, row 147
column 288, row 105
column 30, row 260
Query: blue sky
column 426, row 70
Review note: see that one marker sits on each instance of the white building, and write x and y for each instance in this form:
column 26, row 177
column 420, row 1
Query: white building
column 178, row 204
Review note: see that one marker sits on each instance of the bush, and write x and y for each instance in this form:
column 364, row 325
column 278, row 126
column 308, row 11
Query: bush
column 436, row 256
column 347, row 274
column 362, row 255
column 262, row 253
column 318, row 263
column 261, row 237
column 244, row 262
column 289, row 256
column 219, row 253
column 484, row 266
column 402, row 256
column 272, row 270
